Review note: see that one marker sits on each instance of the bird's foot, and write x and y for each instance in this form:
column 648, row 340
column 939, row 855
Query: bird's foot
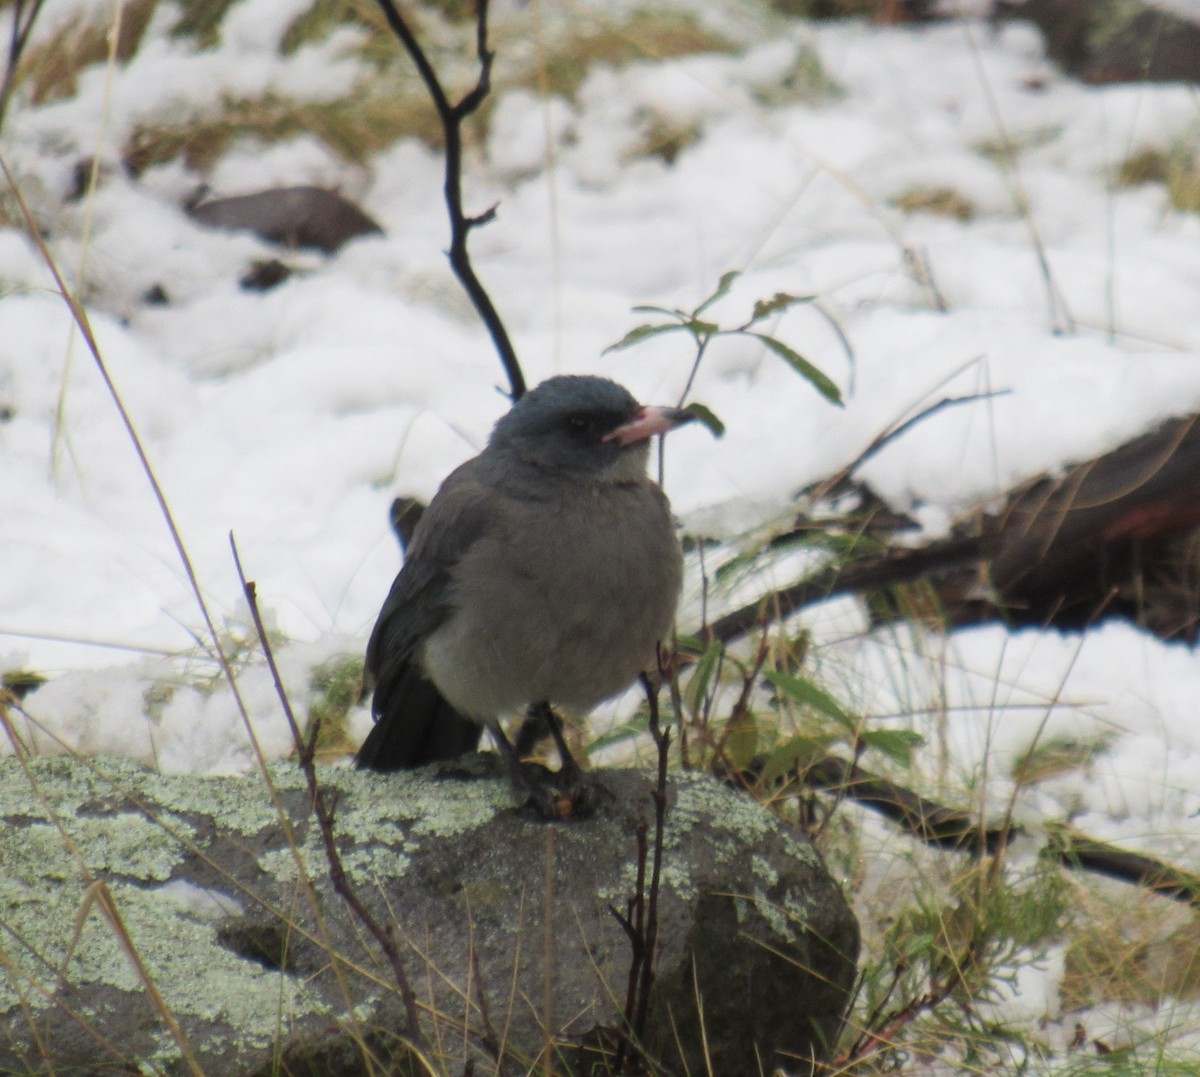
column 556, row 795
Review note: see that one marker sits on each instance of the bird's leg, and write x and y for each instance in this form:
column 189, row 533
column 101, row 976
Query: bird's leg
column 533, row 729
column 570, row 777
column 569, row 770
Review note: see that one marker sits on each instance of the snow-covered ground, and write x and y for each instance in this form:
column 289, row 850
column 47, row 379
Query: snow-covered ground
column 291, row 418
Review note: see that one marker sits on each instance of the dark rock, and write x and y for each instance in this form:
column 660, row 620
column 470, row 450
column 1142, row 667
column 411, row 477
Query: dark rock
column 262, row 276
column 294, row 216
column 504, row 924
column 1105, row 41
column 1115, row 535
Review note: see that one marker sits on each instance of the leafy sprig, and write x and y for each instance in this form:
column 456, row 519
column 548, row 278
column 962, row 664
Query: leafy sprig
column 704, row 331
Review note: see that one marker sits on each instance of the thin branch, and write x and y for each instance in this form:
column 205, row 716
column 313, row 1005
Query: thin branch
column 324, row 815
column 869, row 574
column 633, row 924
column 452, row 117
column 945, row 827
column 640, row 922
column 662, row 741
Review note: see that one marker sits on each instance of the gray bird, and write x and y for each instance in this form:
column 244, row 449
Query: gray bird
column 545, row 571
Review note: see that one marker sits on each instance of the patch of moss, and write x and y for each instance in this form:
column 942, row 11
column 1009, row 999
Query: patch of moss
column 1177, row 167
column 202, row 19
column 806, row 81
column 125, row 844
column 320, row 19
column 336, row 687
column 940, row 201
column 354, row 127
column 414, row 798
column 1052, row 758
column 195, row 977
column 665, row 141
column 1004, row 150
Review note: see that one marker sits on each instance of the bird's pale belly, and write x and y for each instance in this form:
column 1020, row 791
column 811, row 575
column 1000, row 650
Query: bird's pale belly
column 574, row 627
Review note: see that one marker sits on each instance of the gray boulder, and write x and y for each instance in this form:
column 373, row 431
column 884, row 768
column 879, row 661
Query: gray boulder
column 294, row 216
column 166, row 924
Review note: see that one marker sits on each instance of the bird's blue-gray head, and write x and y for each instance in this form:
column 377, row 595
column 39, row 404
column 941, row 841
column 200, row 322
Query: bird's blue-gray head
column 583, row 424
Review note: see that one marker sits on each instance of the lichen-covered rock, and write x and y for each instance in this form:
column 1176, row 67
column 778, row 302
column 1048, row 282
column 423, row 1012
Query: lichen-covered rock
column 225, row 941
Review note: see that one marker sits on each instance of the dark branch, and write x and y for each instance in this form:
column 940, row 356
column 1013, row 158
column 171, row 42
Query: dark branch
column 452, row 117
column 945, row 827
column 869, row 574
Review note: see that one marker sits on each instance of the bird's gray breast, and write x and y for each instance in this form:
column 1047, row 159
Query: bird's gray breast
column 564, row 600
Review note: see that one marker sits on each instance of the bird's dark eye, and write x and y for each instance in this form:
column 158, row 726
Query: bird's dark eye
column 579, row 424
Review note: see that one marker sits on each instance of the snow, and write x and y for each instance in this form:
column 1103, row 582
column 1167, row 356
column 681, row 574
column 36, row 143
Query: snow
column 291, row 418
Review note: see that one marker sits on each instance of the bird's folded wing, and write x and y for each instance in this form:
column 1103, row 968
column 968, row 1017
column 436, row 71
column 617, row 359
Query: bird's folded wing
column 414, row 724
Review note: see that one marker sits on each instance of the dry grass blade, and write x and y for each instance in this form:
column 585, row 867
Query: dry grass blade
column 98, row 893
column 79, row 315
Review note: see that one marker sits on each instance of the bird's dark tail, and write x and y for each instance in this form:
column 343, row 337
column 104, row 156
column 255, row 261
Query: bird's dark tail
column 414, row 725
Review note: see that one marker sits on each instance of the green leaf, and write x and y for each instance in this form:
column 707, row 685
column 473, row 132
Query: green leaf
column 670, row 312
column 778, row 303
column 897, row 744
column 688, row 643
column 706, row 418
column 702, row 675
column 741, row 739
column 793, row 754
column 642, row 332
column 803, row 367
column 804, row 691
column 723, row 286
column 634, row 727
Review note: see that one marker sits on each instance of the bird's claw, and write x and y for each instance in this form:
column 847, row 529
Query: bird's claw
column 556, row 796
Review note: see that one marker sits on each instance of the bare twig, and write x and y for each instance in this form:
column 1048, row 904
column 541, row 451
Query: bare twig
column 883, row 1036
column 634, row 924
column 323, row 811
column 452, row 117
column 491, row 1038
column 640, row 921
column 662, row 740
column 938, row 825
